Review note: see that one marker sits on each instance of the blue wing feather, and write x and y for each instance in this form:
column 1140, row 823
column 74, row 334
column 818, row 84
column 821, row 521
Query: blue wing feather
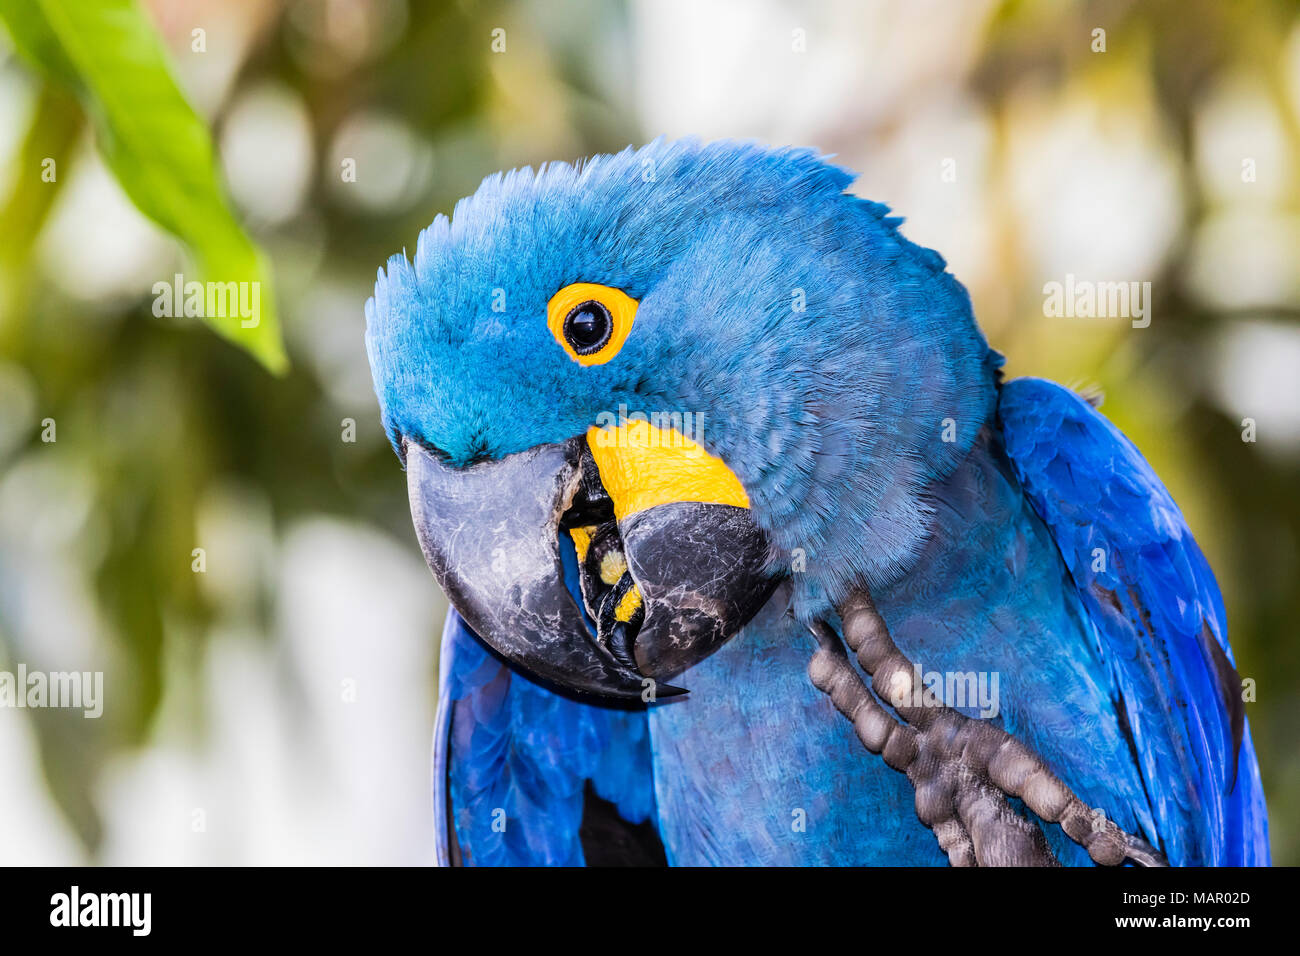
column 1158, row 615
column 512, row 760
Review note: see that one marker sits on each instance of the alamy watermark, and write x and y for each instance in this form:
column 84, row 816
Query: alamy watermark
column 1085, row 299
column 681, row 430
column 75, row 690
column 209, row 300
column 958, row 689
column 131, row 911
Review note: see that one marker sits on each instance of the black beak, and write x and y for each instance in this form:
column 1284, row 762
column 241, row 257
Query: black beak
column 500, row 538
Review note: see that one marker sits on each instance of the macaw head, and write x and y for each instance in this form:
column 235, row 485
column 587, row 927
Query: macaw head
column 633, row 394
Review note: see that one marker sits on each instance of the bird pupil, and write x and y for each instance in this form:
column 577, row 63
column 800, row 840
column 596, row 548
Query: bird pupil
column 587, row 327
column 585, row 330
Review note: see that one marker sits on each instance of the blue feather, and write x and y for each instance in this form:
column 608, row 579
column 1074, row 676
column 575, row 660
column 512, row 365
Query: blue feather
column 512, row 760
column 1150, row 592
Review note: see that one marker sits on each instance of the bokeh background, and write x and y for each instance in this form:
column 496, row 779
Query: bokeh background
column 278, row 707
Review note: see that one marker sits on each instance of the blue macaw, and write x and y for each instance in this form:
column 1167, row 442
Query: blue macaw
column 692, row 417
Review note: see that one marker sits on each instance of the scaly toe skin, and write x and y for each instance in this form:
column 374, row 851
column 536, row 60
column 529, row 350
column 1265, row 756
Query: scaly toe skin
column 964, row 771
column 833, row 674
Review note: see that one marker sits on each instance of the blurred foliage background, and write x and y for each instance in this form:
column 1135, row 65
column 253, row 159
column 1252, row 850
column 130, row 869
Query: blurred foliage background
column 277, row 707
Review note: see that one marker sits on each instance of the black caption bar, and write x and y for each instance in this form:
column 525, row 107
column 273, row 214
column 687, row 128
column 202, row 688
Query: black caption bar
column 988, row 907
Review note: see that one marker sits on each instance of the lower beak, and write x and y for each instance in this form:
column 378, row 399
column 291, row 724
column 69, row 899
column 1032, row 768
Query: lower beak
column 531, row 553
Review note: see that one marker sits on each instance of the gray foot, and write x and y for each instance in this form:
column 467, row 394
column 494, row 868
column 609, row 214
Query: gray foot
column 963, row 770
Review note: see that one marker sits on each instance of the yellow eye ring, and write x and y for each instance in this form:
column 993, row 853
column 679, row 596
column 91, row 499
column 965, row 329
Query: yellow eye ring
column 591, row 335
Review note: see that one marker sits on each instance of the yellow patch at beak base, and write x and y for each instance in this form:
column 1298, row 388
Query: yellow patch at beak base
column 642, row 465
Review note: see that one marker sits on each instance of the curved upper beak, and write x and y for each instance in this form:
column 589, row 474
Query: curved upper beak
column 599, row 595
column 491, row 535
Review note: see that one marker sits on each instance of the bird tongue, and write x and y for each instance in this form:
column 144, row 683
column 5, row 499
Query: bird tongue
column 619, row 618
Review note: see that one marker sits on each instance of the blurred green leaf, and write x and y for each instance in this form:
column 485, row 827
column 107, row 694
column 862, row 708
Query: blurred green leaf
column 157, row 146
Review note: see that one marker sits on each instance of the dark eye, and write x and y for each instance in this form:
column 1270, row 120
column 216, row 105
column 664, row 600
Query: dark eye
column 587, row 327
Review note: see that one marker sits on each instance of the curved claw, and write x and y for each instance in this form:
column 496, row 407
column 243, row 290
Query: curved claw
column 973, row 821
column 964, row 770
